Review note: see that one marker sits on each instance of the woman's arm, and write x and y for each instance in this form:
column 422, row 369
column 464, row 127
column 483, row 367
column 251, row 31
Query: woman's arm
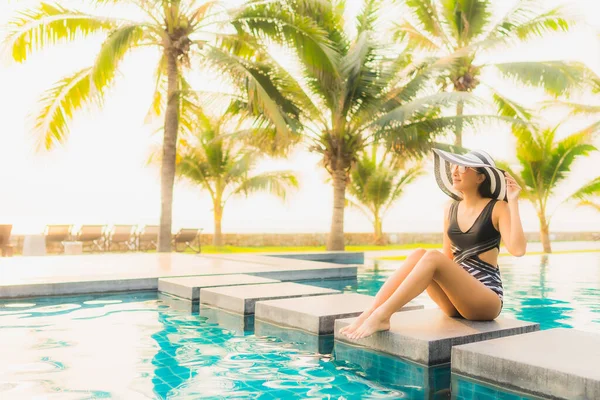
column 509, row 220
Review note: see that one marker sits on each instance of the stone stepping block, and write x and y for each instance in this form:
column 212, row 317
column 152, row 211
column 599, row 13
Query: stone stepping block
column 316, row 314
column 189, row 287
column 302, row 340
column 427, row 336
column 178, row 303
column 239, row 325
column 555, row 363
column 242, row 299
column 416, row 380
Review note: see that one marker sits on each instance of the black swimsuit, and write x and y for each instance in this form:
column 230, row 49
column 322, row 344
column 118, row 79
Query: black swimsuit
column 467, row 246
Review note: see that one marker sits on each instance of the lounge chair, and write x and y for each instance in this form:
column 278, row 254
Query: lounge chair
column 123, row 236
column 56, row 234
column 188, row 237
column 93, row 235
column 6, row 249
column 147, row 238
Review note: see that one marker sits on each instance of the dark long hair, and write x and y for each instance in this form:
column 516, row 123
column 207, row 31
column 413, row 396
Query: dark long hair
column 485, row 188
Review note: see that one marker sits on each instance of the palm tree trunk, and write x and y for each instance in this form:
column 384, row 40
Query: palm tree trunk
column 218, row 217
column 460, row 107
column 545, row 233
column 378, row 225
column 167, row 172
column 336, row 234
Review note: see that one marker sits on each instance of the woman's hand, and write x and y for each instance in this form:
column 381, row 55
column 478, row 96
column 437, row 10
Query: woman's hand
column 512, row 188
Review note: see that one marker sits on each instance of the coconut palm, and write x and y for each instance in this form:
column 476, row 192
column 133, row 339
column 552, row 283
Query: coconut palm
column 184, row 33
column 545, row 163
column 217, row 161
column 355, row 91
column 377, row 183
column 470, row 30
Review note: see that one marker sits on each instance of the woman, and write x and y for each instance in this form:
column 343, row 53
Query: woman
column 463, row 279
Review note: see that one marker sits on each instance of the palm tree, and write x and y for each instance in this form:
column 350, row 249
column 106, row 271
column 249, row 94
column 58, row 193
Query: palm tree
column 185, row 32
column 469, row 30
column 354, row 91
column 376, row 184
column 216, row 160
column 546, row 162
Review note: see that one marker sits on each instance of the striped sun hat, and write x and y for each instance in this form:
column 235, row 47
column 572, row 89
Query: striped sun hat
column 481, row 160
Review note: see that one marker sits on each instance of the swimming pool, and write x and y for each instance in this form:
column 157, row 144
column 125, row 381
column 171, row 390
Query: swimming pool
column 140, row 345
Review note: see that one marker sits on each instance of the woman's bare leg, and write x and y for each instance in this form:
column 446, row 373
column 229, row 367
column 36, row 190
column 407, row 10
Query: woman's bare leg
column 471, row 298
column 388, row 288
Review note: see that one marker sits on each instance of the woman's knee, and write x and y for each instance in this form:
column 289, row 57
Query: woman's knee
column 419, row 253
column 432, row 256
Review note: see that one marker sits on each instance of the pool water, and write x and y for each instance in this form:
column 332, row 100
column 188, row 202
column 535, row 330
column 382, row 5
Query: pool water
column 150, row 346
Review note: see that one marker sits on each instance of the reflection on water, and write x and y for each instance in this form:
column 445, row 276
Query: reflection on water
column 147, row 346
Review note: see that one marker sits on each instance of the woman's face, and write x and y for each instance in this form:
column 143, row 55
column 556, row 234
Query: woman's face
column 465, row 178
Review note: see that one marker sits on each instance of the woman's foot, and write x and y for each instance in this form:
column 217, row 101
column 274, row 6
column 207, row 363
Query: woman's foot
column 349, row 329
column 375, row 323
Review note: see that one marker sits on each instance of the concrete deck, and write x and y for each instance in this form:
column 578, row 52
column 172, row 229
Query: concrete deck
column 242, row 299
column 64, row 275
column 316, row 314
column 557, row 363
column 427, row 336
column 189, row 287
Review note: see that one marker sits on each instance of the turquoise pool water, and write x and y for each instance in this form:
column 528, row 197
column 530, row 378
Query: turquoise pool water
column 148, row 346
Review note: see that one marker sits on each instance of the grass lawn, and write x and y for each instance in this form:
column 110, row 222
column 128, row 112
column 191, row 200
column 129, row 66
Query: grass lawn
column 209, row 249
column 531, row 253
column 307, row 249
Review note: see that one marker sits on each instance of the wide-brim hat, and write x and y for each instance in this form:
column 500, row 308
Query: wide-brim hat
column 481, row 160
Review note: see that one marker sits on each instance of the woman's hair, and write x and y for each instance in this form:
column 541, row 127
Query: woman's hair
column 485, row 188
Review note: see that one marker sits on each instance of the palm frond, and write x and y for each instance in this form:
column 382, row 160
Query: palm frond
column 466, row 18
column 367, row 18
column 414, row 37
column 555, row 77
column 354, row 203
column 426, row 12
column 280, row 21
column 589, row 203
column 509, row 108
column 407, row 177
column 525, row 21
column 566, row 152
column 418, row 137
column 587, row 192
column 420, row 106
column 263, row 96
column 276, row 183
column 114, row 48
column 37, row 28
column 59, row 103
column 574, row 108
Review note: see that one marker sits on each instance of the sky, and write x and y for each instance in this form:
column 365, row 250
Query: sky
column 101, row 176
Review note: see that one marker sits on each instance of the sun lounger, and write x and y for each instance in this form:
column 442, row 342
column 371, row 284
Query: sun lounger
column 122, row 236
column 148, row 238
column 93, row 235
column 188, row 237
column 56, row 234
